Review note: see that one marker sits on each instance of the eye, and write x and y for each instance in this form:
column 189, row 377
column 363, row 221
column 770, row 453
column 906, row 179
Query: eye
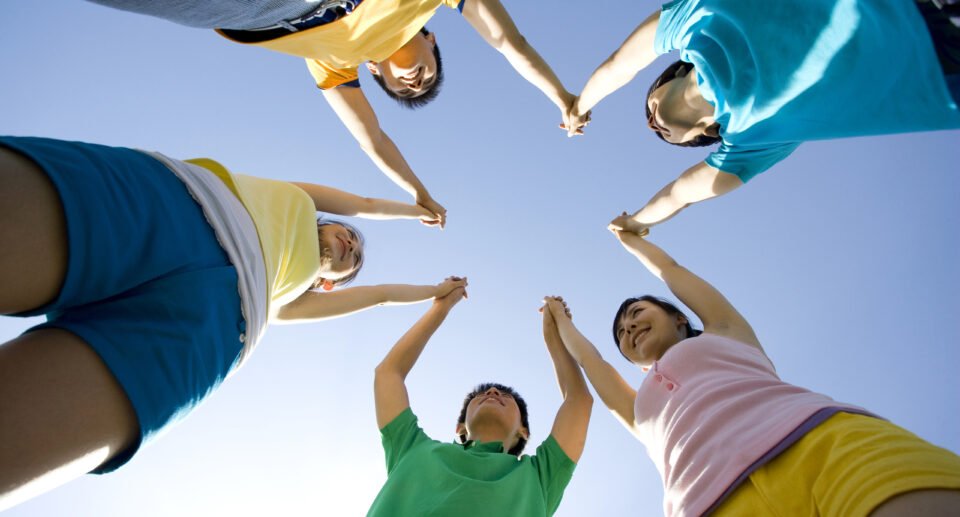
column 507, row 395
column 635, row 311
column 619, row 333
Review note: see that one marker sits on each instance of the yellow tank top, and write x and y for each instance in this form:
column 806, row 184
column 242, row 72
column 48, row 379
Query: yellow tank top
column 373, row 32
column 286, row 221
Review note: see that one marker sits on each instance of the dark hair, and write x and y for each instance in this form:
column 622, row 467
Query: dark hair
column 670, row 309
column 522, row 442
column 340, row 282
column 678, row 69
column 428, row 94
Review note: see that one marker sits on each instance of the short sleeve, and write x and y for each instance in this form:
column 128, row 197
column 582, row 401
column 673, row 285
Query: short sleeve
column 328, row 77
column 399, row 436
column 748, row 161
column 673, row 25
column 555, row 470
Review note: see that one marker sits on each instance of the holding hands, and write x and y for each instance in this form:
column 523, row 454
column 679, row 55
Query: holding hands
column 432, row 213
column 450, row 292
column 626, row 223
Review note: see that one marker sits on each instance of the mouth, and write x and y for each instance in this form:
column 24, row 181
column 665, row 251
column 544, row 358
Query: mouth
column 487, row 399
column 343, row 248
column 639, row 336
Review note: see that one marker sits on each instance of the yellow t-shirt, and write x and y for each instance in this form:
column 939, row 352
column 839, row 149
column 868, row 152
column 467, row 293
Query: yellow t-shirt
column 286, row 222
column 372, row 32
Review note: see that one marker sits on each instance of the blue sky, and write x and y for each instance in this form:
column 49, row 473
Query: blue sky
column 843, row 257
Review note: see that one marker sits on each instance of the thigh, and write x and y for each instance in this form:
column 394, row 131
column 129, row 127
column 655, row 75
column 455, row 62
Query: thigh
column 64, row 414
column 129, row 220
column 33, row 257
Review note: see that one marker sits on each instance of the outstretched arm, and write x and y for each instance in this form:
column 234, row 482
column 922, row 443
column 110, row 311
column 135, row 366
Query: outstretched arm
column 717, row 314
column 351, row 105
column 314, row 306
column 698, row 183
column 334, row 201
column 573, row 417
column 389, row 386
column 619, row 69
column 493, row 23
column 615, row 392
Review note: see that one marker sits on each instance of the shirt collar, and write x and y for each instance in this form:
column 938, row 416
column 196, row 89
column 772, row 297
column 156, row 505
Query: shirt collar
column 477, row 445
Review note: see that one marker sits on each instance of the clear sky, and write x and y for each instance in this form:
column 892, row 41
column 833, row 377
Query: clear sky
column 844, row 257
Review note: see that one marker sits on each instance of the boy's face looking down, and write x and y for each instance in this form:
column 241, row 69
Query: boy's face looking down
column 494, row 414
column 411, row 70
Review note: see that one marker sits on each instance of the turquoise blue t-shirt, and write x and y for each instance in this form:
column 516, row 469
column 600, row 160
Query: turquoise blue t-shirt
column 427, row 477
column 786, row 71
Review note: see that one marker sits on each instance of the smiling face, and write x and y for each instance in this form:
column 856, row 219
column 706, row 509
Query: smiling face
column 341, row 251
column 494, row 412
column 645, row 332
column 412, row 69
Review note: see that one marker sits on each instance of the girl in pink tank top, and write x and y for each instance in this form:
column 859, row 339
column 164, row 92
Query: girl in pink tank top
column 712, row 411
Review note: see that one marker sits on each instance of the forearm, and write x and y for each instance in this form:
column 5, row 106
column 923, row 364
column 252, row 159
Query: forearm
column 698, row 183
column 616, row 394
column 569, row 376
column 531, row 66
column 622, row 66
column 385, row 155
column 314, row 306
column 401, row 358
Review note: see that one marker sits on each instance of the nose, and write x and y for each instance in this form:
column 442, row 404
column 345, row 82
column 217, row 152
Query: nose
column 492, row 391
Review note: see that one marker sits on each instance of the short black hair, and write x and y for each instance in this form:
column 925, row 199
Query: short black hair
column 340, row 282
column 675, row 70
column 670, row 309
column 428, row 94
column 522, row 442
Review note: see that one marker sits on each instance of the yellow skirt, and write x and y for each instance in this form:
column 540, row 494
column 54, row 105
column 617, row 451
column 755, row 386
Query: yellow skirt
column 845, row 467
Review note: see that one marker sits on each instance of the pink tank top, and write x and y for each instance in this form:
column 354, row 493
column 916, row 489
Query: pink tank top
column 709, row 409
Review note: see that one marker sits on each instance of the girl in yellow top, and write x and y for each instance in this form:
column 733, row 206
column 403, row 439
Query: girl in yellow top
column 157, row 278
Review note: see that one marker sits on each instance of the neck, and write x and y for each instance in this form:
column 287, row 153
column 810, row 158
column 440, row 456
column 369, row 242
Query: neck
column 492, row 432
column 703, row 111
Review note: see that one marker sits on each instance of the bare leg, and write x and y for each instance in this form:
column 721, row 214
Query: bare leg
column 921, row 503
column 33, row 235
column 64, row 414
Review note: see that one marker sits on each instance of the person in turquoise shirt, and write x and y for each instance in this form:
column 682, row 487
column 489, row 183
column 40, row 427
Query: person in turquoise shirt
column 761, row 77
column 485, row 473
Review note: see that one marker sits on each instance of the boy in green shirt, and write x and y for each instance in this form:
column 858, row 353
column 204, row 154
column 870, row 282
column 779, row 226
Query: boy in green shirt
column 485, row 474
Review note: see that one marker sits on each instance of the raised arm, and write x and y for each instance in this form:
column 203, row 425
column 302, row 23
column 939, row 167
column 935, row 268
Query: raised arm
column 698, row 183
column 351, row 105
column 717, row 314
column 619, row 69
column 573, row 417
column 389, row 386
column 334, row 201
column 315, row 306
column 614, row 391
column 493, row 23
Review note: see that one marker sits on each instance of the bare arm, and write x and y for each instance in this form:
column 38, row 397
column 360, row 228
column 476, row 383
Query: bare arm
column 573, row 417
column 493, row 23
column 334, row 201
column 314, row 306
column 698, row 183
column 389, row 384
column 614, row 391
column 717, row 314
column 353, row 109
column 620, row 68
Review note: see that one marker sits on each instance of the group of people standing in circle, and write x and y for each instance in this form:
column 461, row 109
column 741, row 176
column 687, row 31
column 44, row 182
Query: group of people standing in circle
column 158, row 276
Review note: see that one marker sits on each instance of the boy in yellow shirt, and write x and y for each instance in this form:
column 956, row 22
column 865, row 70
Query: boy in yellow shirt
column 336, row 37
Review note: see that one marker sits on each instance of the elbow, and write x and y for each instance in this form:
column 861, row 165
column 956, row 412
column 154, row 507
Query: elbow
column 513, row 45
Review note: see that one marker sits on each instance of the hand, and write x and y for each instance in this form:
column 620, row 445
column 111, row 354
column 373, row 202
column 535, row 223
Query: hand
column 449, row 284
column 625, row 223
column 438, row 214
column 574, row 121
column 450, row 299
column 556, row 309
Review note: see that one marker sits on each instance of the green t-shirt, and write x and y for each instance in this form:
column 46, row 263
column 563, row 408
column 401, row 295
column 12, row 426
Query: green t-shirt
column 427, row 477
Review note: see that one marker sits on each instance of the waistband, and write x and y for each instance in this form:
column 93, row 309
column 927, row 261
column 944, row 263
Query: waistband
column 327, row 12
